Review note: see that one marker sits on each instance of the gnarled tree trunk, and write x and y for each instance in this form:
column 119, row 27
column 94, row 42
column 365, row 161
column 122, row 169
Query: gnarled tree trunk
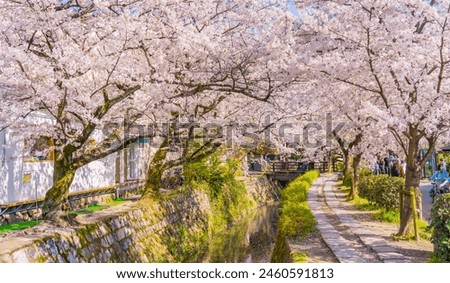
column 55, row 205
column 155, row 171
column 413, row 175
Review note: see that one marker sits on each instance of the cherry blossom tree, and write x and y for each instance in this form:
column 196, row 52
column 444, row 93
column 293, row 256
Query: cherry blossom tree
column 90, row 65
column 397, row 55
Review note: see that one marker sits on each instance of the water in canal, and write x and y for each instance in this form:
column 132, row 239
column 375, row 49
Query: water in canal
column 250, row 240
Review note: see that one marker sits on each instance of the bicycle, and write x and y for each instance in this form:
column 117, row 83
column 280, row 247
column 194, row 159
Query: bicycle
column 438, row 188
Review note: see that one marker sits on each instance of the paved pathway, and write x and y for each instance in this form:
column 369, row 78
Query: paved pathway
column 425, row 187
column 348, row 239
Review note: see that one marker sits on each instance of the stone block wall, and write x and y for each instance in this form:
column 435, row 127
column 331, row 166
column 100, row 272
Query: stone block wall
column 261, row 189
column 136, row 232
column 172, row 230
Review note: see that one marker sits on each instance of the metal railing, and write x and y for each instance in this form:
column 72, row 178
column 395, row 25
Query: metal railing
column 117, row 190
column 296, row 166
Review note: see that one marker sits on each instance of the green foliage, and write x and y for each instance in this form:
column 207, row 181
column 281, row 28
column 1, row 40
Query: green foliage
column 226, row 245
column 91, row 208
column 391, row 216
column 309, row 176
column 381, row 214
column 297, row 191
column 116, row 201
column 184, row 245
column 435, row 259
column 425, row 231
column 227, row 195
column 339, row 166
column 348, row 177
column 97, row 207
column 296, row 218
column 440, row 222
column 362, row 203
column 382, row 190
column 364, row 172
column 299, row 257
column 18, row 226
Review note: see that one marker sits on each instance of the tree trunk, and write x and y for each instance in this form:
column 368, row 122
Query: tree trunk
column 406, row 221
column 412, row 179
column 55, row 205
column 346, row 161
column 155, row 171
column 330, row 163
column 355, row 176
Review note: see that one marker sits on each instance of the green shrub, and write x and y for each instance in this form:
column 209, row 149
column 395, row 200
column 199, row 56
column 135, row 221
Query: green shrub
column 339, row 166
column 296, row 218
column 348, row 177
column 297, row 191
column 228, row 196
column 364, row 172
column 381, row 190
column 308, row 177
column 440, row 221
column 299, row 257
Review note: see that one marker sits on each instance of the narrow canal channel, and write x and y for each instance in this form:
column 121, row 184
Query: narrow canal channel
column 250, row 240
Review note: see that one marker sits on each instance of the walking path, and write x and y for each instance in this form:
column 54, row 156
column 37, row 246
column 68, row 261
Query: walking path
column 348, row 239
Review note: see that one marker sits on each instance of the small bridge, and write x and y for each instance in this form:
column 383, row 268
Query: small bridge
column 286, row 171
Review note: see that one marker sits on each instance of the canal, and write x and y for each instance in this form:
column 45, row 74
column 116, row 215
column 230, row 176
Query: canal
column 250, row 240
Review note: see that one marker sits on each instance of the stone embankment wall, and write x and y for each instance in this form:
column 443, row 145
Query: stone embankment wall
column 143, row 231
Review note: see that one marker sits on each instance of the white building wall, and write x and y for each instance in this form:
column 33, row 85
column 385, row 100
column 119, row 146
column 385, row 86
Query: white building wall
column 38, row 181
column 97, row 174
column 3, row 171
column 13, row 167
column 24, row 180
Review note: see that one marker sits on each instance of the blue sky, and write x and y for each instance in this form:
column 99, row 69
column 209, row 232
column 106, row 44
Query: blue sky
column 292, row 8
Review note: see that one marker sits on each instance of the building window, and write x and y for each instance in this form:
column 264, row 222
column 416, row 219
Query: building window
column 133, row 162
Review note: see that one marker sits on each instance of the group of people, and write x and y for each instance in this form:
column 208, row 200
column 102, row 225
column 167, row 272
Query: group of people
column 390, row 165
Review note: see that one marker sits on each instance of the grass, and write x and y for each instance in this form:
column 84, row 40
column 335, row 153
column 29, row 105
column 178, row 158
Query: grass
column 95, row 207
column 18, row 226
column 299, row 257
column 387, row 216
column 425, row 231
column 116, row 201
column 89, row 209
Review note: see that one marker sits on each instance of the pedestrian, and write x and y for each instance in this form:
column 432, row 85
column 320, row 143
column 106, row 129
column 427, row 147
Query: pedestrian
column 404, row 168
